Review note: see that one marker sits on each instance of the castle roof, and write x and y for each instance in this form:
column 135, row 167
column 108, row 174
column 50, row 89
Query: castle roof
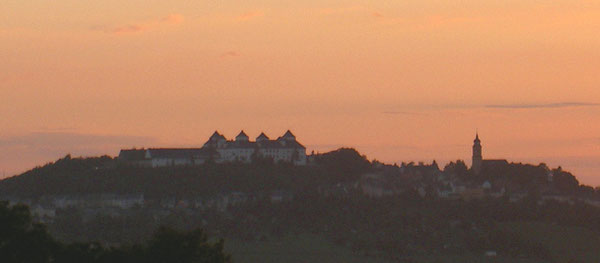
column 216, row 135
column 240, row 144
column 262, row 136
column 289, row 135
column 287, row 141
column 241, row 135
column 294, row 144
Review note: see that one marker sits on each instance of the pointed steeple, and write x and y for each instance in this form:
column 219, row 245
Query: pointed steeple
column 262, row 137
column 242, row 136
column 289, row 135
column 215, row 140
column 477, row 157
column 215, row 136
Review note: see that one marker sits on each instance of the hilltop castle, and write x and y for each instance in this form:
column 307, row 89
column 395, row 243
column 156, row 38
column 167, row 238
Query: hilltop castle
column 479, row 163
column 220, row 150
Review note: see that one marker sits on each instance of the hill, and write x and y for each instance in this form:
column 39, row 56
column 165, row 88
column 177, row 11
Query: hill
column 341, row 205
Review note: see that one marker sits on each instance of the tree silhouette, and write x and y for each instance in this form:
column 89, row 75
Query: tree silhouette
column 22, row 240
column 193, row 247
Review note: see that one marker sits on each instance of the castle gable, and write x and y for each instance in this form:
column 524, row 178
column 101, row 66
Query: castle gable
column 220, row 150
column 132, row 154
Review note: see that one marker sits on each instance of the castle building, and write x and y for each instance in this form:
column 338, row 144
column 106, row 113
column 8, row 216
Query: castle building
column 479, row 164
column 220, row 150
column 283, row 149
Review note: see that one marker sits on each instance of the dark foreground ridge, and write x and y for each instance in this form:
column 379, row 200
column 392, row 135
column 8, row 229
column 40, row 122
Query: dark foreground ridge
column 410, row 212
column 22, row 240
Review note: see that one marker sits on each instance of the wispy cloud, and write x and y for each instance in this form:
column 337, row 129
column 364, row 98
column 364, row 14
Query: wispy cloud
column 126, row 29
column 377, row 15
column 402, row 113
column 138, row 27
column 55, row 129
column 420, row 109
column 250, row 15
column 342, row 10
column 23, row 152
column 173, row 19
column 65, row 140
column 230, row 54
column 538, row 106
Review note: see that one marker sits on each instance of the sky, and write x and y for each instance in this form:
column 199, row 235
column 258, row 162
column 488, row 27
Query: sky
column 398, row 80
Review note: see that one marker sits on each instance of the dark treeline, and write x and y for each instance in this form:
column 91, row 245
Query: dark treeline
column 75, row 176
column 410, row 226
column 23, row 240
column 326, row 199
column 96, row 175
column 401, row 227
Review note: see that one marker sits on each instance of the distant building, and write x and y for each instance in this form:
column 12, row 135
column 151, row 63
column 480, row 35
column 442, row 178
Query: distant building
column 479, row 163
column 283, row 149
column 218, row 149
column 477, row 157
column 134, row 157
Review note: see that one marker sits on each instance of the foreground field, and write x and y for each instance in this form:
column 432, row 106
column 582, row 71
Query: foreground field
column 568, row 244
column 301, row 249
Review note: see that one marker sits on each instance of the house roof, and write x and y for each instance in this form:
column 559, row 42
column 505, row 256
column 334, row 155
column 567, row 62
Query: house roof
column 178, row 153
column 132, row 154
column 495, row 162
column 272, row 144
column 286, row 143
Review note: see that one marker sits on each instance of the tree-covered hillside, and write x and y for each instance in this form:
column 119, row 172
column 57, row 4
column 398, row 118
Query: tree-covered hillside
column 412, row 212
column 23, row 240
column 77, row 176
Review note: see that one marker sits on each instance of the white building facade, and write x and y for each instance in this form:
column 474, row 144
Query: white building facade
column 220, row 150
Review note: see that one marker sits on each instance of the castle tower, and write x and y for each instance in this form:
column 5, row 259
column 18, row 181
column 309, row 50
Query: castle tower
column 242, row 137
column 262, row 137
column 477, row 158
column 289, row 136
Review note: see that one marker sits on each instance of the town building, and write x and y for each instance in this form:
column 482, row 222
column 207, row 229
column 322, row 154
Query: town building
column 477, row 157
column 220, row 150
column 479, row 164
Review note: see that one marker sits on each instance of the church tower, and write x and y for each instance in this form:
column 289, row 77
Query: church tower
column 477, row 158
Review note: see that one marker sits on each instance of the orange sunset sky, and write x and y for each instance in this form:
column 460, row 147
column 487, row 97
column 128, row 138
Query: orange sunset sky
column 398, row 80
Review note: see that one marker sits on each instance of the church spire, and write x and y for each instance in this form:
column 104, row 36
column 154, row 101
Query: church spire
column 477, row 157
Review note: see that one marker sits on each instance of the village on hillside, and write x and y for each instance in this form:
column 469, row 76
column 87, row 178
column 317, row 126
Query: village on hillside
column 485, row 179
column 261, row 190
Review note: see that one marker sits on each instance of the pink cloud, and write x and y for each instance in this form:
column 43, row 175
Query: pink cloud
column 377, row 14
column 250, row 15
column 341, row 10
column 230, row 54
column 350, row 10
column 172, row 19
column 126, row 29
